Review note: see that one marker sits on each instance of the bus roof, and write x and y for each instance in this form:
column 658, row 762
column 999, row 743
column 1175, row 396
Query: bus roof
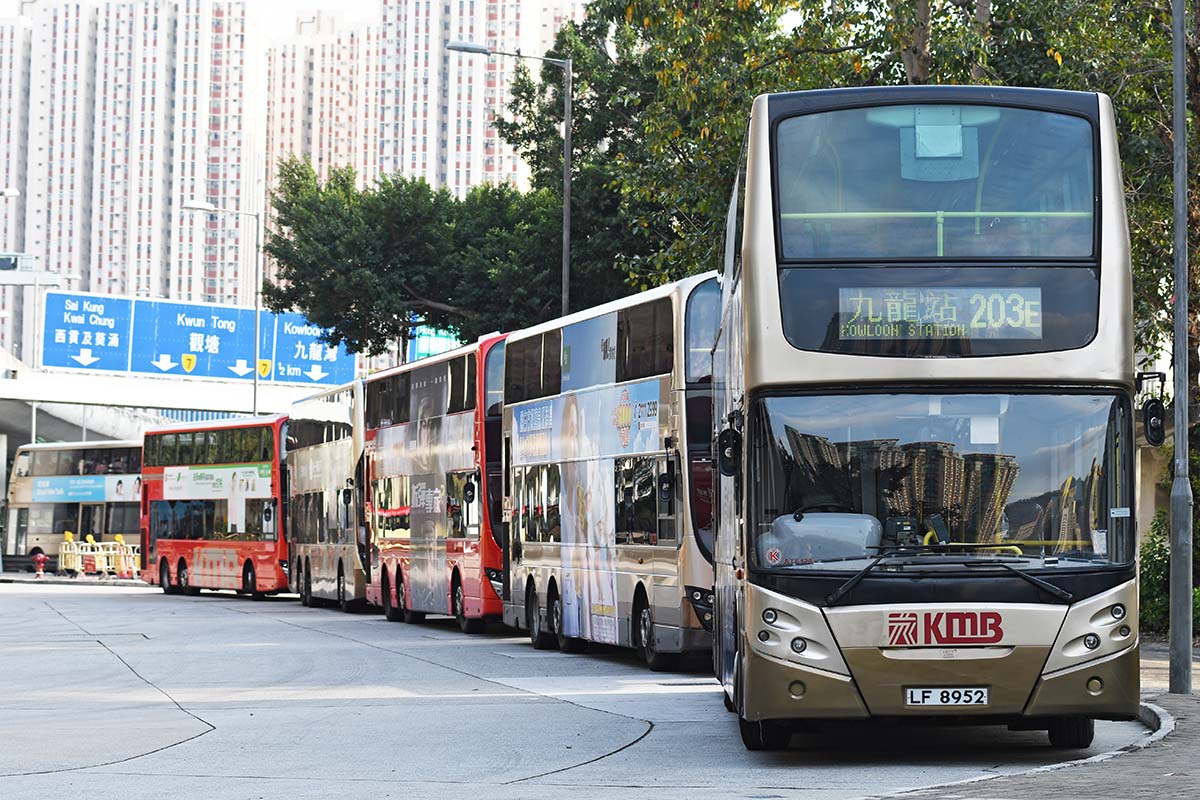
column 99, row 444
column 685, row 284
column 434, row 359
column 219, row 424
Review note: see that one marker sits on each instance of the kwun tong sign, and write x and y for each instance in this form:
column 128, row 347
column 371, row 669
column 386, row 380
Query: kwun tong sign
column 156, row 337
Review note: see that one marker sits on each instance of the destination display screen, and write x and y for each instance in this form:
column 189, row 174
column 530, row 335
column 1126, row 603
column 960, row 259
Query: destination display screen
column 945, row 312
column 926, row 311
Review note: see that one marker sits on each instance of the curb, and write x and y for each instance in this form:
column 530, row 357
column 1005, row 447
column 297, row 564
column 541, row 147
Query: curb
column 61, row 581
column 1156, row 718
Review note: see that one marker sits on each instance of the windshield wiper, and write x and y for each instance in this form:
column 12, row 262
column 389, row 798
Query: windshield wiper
column 857, row 577
column 1046, row 586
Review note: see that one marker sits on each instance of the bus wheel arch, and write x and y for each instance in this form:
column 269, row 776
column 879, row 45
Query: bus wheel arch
column 458, row 605
column 641, row 633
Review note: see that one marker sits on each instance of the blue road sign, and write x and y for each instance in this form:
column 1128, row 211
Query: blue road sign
column 158, row 337
column 300, row 357
column 86, row 332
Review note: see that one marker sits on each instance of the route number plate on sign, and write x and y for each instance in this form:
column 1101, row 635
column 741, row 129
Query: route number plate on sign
column 937, row 696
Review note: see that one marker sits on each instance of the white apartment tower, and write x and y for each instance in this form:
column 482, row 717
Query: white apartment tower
column 437, row 107
column 131, row 109
column 15, row 37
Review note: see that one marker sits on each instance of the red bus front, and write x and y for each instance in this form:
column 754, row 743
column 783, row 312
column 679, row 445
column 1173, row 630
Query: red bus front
column 213, row 514
column 433, row 472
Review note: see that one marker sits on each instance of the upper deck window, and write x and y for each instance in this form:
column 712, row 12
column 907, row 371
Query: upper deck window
column 959, row 182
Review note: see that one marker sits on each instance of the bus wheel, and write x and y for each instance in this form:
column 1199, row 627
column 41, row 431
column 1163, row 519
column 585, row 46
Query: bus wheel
column 390, row 611
column 164, row 578
column 644, row 639
column 567, row 644
column 460, row 612
column 411, row 617
column 344, row 603
column 1071, row 733
column 725, row 698
column 766, row 734
column 303, row 584
column 250, row 582
column 185, row 583
column 533, row 622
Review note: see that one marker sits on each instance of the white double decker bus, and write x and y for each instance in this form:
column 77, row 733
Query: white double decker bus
column 607, row 434
column 924, row 384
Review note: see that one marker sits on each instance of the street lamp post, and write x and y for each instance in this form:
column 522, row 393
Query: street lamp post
column 200, row 205
column 565, row 65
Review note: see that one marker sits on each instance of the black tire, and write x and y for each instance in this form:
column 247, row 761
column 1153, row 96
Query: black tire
column 307, row 597
column 643, row 629
column 541, row 640
column 183, row 577
column 390, row 611
column 410, row 617
column 1071, row 733
column 766, row 734
column 344, row 603
column 567, row 644
column 250, row 582
column 728, row 701
column 164, row 578
column 459, row 601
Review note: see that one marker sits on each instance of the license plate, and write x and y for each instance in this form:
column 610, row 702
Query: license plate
column 937, row 696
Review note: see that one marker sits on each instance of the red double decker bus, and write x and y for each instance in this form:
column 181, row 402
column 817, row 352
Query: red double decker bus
column 213, row 512
column 433, row 463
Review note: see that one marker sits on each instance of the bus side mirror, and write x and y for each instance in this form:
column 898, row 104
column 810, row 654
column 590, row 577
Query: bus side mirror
column 347, row 497
column 666, row 487
column 729, row 452
column 1154, row 418
column 469, row 492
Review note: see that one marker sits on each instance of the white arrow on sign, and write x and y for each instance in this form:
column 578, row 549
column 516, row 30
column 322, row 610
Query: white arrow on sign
column 241, row 368
column 85, row 357
column 164, row 362
column 316, row 373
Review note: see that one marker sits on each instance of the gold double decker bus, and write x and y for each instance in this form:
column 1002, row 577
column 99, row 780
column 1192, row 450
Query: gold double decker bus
column 923, row 388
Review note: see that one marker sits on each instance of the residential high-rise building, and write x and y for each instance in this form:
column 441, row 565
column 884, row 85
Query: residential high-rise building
column 133, row 108
column 15, row 37
column 437, row 107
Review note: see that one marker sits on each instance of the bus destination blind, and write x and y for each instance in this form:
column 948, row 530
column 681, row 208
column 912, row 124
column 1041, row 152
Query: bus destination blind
column 947, row 312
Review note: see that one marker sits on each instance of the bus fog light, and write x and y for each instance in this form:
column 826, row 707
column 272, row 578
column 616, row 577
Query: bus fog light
column 1124, row 630
column 763, row 636
column 1095, row 686
column 1118, row 611
column 696, row 595
column 769, row 616
column 797, row 689
column 799, row 645
column 1091, row 641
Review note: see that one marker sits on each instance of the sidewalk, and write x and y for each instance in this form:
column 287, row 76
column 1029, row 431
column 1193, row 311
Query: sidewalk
column 1166, row 769
column 82, row 580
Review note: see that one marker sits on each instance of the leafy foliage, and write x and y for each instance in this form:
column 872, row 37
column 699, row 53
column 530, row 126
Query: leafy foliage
column 373, row 264
column 1154, row 600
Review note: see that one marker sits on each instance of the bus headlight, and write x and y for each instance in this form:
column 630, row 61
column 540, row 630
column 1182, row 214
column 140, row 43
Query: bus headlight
column 496, row 579
column 799, row 645
column 702, row 604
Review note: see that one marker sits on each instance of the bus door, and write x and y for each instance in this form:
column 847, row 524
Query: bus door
column 91, row 520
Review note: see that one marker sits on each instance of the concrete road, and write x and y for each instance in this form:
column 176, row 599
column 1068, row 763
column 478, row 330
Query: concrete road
column 126, row 693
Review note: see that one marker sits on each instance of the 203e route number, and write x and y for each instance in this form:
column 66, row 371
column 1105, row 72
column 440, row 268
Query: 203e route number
column 946, row 697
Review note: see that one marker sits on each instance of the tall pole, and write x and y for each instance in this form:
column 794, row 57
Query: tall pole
column 566, row 253
column 257, row 294
column 1181, row 488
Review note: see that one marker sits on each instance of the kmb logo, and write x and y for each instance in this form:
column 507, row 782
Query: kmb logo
column 908, row 629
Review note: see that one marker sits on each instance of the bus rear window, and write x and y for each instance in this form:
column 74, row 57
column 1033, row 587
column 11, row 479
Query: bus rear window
column 935, row 181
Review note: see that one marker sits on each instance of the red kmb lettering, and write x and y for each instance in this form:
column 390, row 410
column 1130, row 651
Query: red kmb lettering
column 962, row 627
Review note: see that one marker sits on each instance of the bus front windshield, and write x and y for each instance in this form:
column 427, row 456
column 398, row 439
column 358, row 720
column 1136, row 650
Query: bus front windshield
column 935, row 182
column 1035, row 478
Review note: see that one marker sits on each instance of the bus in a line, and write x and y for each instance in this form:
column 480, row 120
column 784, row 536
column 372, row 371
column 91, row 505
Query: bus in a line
column 213, row 506
column 607, row 435
column 324, row 465
column 86, row 488
column 924, row 414
column 431, row 489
